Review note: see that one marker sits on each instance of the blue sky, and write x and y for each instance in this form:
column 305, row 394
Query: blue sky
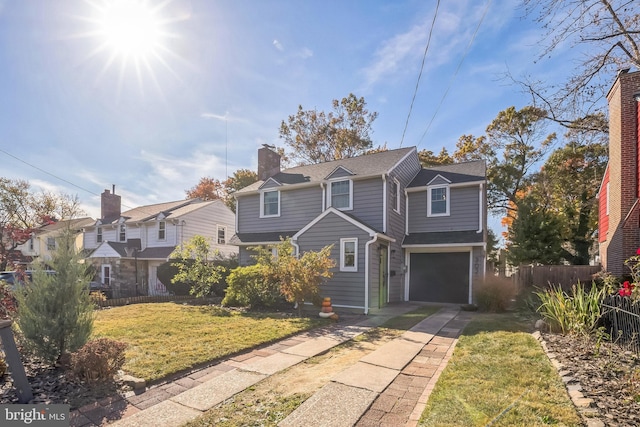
column 82, row 111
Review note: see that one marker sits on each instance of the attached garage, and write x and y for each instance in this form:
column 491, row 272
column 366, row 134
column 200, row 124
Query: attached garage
column 439, row 277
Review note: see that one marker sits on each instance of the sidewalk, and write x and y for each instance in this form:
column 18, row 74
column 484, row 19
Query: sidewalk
column 383, row 388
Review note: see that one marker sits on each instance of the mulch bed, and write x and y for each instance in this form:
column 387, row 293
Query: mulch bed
column 51, row 385
column 607, row 373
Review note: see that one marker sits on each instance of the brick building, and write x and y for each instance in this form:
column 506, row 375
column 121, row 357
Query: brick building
column 619, row 196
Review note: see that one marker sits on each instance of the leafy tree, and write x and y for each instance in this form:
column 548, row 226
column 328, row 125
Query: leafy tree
column 300, row 277
column 533, row 236
column 22, row 210
column 207, row 189
column 608, row 33
column 515, row 142
column 427, row 158
column 55, row 313
column 198, row 266
column 240, row 179
column 315, row 137
column 569, row 182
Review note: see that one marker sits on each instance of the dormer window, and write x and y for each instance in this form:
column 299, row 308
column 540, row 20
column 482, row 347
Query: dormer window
column 122, row 234
column 99, row 234
column 438, row 201
column 341, row 194
column 270, row 204
column 162, row 230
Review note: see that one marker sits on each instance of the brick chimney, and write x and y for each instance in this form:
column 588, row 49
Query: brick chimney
column 623, row 234
column 110, row 204
column 268, row 162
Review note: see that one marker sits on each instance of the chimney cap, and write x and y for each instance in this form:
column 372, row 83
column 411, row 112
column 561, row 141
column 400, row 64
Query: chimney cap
column 273, row 147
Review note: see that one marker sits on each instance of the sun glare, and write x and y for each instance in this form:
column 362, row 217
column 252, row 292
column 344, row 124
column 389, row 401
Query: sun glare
column 130, row 28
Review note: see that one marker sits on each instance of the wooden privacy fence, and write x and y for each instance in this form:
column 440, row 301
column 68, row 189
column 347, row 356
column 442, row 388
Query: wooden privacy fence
column 563, row 275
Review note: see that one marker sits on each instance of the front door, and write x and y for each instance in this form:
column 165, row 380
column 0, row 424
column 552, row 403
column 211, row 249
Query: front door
column 384, row 276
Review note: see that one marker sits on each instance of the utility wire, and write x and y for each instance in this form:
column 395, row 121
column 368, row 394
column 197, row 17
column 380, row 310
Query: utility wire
column 424, row 56
column 446, row 92
column 67, row 181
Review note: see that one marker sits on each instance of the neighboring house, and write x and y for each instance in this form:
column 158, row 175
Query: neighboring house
column 399, row 232
column 128, row 247
column 43, row 240
column 619, row 195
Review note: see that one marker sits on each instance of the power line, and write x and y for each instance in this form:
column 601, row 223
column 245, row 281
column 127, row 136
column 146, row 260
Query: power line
column 446, row 92
column 424, row 56
column 69, row 182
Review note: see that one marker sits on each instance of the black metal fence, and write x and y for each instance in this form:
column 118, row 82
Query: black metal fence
column 621, row 316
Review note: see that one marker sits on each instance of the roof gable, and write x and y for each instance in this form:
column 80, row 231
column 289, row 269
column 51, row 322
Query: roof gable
column 439, row 180
column 457, row 173
column 339, row 172
column 270, row 183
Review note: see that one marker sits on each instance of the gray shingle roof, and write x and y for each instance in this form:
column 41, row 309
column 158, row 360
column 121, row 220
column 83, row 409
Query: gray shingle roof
column 443, row 237
column 456, row 173
column 369, row 164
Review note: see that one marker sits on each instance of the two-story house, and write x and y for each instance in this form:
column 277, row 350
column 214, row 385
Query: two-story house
column 398, row 231
column 128, row 247
column 619, row 195
column 43, row 240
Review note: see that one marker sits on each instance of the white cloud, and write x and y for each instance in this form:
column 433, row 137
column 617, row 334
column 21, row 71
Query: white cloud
column 305, row 53
column 278, row 45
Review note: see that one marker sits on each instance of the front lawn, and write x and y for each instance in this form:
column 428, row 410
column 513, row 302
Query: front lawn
column 500, row 376
column 168, row 338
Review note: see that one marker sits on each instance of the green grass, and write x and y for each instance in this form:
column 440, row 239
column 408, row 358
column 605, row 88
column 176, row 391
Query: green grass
column 168, row 338
column 499, row 373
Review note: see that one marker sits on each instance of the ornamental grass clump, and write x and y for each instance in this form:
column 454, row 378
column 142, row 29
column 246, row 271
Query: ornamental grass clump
column 578, row 312
column 495, row 294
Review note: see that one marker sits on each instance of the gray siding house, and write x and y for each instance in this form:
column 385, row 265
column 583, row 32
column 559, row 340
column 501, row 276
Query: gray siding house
column 386, row 218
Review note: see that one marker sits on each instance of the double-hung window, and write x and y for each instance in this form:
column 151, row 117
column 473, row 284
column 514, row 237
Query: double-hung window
column 51, row 243
column 99, row 234
column 395, row 196
column 270, row 202
column 438, row 201
column 122, row 234
column 349, row 254
column 342, row 194
column 162, row 230
column 222, row 235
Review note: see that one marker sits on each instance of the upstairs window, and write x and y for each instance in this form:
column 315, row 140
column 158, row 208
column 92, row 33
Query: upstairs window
column 270, row 201
column 222, row 235
column 349, row 254
column 122, row 235
column 31, row 244
column 341, row 194
column 395, row 197
column 99, row 234
column 162, row 230
column 51, row 243
column 438, row 201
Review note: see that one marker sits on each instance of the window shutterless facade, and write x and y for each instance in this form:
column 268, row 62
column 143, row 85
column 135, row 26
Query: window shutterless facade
column 341, row 194
column 222, row 235
column 122, row 234
column 395, row 195
column 438, row 201
column 349, row 254
column 99, row 234
column 270, row 204
column 162, row 230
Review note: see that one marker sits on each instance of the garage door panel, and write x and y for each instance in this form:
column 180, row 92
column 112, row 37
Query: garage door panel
column 439, row 277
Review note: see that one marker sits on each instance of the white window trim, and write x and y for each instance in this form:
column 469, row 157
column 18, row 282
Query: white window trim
column 330, row 200
column 447, row 201
column 343, row 267
column 218, row 228
column 120, row 226
column 99, row 235
column 396, row 208
column 262, row 193
column 163, row 229
column 102, row 275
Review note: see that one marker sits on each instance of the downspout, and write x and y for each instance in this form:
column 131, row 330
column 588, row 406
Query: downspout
column 236, row 214
column 384, row 202
column 481, row 213
column 406, row 212
column 324, row 195
column 366, row 273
